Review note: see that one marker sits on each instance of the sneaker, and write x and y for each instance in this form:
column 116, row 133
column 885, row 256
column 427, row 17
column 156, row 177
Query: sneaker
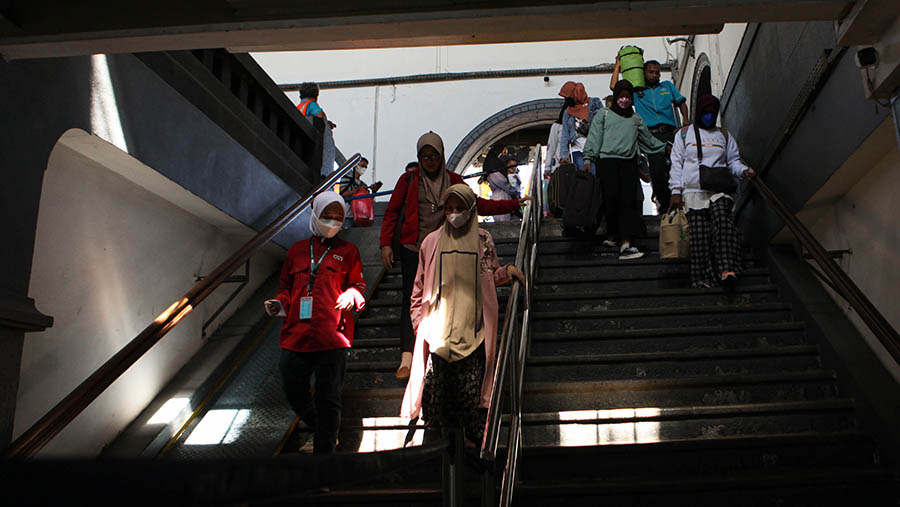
column 630, row 252
column 608, row 243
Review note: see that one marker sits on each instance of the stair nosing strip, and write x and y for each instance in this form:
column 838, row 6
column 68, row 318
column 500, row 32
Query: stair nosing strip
column 674, row 356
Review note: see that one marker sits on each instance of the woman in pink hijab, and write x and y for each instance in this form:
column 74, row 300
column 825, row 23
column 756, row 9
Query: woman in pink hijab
column 454, row 312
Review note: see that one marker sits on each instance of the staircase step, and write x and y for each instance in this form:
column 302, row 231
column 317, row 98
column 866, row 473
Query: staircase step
column 674, row 277
column 648, row 425
column 749, row 336
column 690, row 391
column 674, row 364
column 831, row 486
column 657, row 318
column 367, row 396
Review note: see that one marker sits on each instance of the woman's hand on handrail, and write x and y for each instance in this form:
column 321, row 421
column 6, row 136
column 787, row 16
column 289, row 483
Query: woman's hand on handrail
column 749, row 173
column 523, row 200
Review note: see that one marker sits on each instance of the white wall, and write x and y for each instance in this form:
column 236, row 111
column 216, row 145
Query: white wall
column 451, row 109
column 110, row 256
column 721, row 49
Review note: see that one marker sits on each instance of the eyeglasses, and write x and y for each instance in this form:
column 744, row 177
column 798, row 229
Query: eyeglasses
column 430, row 157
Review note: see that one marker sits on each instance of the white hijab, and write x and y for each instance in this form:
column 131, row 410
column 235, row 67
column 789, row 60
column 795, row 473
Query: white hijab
column 320, row 202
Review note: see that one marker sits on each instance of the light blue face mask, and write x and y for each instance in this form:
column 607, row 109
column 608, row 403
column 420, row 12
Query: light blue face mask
column 707, row 120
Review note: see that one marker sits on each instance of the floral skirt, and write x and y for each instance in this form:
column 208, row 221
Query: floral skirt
column 452, row 394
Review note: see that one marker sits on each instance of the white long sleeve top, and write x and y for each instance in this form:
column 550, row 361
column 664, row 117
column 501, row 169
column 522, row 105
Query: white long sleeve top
column 684, row 176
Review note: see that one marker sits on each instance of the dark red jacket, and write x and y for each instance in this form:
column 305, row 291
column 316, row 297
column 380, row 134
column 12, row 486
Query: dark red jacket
column 340, row 270
column 407, row 191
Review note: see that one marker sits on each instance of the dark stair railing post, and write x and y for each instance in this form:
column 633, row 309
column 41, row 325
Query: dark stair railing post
column 48, row 426
column 451, row 489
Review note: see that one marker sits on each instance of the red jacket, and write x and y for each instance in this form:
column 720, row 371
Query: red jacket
column 407, row 191
column 340, row 270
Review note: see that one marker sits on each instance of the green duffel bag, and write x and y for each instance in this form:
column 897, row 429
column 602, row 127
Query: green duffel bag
column 631, row 64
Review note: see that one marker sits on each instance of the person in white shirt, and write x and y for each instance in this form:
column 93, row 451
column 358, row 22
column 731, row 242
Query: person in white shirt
column 715, row 244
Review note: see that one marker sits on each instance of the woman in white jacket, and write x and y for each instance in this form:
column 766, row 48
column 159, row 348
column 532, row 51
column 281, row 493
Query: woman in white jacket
column 715, row 245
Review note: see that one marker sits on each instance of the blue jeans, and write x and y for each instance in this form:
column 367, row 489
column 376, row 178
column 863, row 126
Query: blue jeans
column 578, row 160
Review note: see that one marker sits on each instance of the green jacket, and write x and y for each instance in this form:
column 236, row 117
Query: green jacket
column 613, row 136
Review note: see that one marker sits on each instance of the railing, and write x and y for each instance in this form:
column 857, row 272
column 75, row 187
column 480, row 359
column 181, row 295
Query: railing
column 38, row 435
column 836, row 277
column 513, row 347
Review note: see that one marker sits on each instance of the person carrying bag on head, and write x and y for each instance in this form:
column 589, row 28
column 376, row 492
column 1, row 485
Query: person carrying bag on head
column 706, row 166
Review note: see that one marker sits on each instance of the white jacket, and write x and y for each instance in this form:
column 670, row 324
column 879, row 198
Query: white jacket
column 684, row 176
column 552, row 160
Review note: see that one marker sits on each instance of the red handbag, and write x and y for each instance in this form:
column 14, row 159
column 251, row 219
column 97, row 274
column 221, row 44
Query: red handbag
column 363, row 209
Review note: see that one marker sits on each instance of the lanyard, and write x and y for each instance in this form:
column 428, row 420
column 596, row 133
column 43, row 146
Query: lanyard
column 314, row 266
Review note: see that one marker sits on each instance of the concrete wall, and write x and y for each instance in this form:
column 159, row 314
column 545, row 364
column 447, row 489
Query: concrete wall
column 864, row 219
column 451, row 109
column 116, row 244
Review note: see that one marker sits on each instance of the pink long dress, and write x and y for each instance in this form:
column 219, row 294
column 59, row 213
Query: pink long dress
column 492, row 275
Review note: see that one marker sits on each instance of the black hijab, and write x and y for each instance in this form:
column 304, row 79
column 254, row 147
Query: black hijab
column 621, row 86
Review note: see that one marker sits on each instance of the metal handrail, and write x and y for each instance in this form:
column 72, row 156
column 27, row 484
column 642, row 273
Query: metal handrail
column 511, row 359
column 839, row 279
column 41, row 432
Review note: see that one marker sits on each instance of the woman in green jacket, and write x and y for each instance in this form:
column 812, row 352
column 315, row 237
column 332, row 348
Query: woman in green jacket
column 616, row 139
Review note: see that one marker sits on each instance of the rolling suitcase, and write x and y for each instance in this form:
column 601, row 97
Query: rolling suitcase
column 583, row 202
column 558, row 189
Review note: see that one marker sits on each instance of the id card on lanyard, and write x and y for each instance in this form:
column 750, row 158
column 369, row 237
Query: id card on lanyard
column 306, row 302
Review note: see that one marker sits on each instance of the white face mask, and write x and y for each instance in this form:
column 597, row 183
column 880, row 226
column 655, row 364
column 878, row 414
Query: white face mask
column 360, row 170
column 458, row 220
column 328, row 227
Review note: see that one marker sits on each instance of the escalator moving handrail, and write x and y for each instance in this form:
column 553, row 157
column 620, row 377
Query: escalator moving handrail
column 48, row 426
column 844, row 285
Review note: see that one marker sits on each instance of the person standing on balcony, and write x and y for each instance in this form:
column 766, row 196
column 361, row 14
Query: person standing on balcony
column 454, row 311
column 576, row 123
column 416, row 198
column 309, row 106
column 715, row 244
column 654, row 104
column 616, row 139
column 321, row 283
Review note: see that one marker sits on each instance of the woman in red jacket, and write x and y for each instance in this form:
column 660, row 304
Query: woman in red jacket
column 416, row 198
column 321, row 282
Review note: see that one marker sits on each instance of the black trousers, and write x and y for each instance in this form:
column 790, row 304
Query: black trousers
column 322, row 412
column 659, row 167
column 619, row 183
column 409, row 263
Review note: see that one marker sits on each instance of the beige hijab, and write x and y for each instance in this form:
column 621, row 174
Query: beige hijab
column 431, row 188
column 457, row 284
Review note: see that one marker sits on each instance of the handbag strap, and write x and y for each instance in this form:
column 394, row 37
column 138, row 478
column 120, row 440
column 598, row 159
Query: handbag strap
column 699, row 144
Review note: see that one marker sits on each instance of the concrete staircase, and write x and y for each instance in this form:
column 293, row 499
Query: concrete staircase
column 642, row 391
column 639, row 391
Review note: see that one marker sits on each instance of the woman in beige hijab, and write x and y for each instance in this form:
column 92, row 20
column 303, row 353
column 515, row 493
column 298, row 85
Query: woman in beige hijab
column 454, row 314
column 415, row 210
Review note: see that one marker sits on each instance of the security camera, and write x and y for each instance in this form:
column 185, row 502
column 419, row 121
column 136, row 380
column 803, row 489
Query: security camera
column 866, row 58
column 546, row 79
